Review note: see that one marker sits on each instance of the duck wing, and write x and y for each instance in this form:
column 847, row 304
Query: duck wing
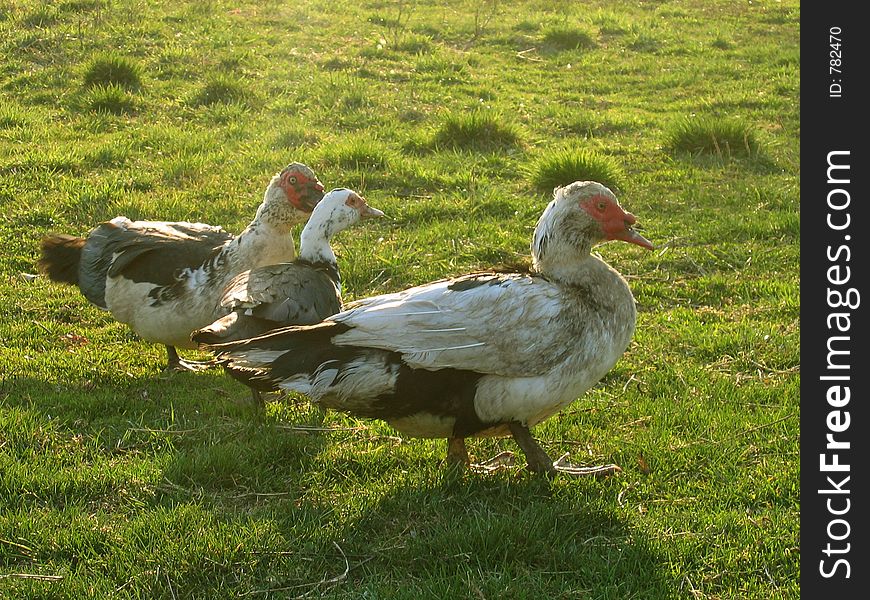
column 492, row 323
column 144, row 251
column 297, row 293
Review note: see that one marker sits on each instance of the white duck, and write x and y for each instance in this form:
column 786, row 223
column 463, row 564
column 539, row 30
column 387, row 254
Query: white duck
column 486, row 354
column 302, row 292
column 165, row 279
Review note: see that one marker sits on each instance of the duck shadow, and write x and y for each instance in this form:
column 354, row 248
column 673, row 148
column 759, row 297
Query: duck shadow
column 513, row 532
column 400, row 522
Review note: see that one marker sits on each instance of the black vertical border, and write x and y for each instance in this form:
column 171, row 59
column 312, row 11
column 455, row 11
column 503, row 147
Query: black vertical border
column 833, row 124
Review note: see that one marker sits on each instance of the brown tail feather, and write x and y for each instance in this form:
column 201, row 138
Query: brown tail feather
column 61, row 255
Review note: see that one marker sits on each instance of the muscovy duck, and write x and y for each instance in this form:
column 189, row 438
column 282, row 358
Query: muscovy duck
column 302, row 292
column 485, row 354
column 166, row 279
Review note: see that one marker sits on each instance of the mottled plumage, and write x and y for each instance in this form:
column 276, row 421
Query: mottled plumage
column 165, row 279
column 152, row 252
column 478, row 355
column 301, row 292
column 297, row 293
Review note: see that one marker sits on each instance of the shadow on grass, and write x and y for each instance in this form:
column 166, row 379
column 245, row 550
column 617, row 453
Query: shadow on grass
column 222, row 497
column 760, row 162
column 501, row 536
column 92, row 439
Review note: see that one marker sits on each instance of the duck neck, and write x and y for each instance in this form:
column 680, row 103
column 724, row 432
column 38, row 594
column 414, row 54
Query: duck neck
column 314, row 244
column 569, row 270
column 261, row 243
column 563, row 258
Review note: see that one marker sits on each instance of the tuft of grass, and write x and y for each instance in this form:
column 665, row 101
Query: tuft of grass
column 442, row 69
column 335, row 64
column 477, row 130
column 567, row 38
column 41, row 17
column 360, row 153
column 11, row 117
column 109, row 99
column 610, row 23
column 645, row 42
column 414, row 44
column 112, row 69
column 562, row 167
column 724, row 138
column 527, row 26
column 722, row 43
column 220, row 89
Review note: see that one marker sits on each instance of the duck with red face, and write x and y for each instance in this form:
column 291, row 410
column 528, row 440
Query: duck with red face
column 165, row 279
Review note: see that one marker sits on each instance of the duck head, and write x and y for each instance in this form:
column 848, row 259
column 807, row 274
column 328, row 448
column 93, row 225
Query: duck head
column 581, row 215
column 338, row 210
column 291, row 196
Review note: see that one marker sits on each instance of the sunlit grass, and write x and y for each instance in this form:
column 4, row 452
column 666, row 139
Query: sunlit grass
column 222, row 89
column 476, row 130
column 723, row 138
column 110, row 99
column 562, row 167
column 112, row 70
column 119, row 481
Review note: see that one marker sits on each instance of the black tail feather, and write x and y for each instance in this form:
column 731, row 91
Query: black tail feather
column 284, row 338
column 232, row 327
column 303, row 348
column 61, row 256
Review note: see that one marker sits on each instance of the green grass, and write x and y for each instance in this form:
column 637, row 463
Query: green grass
column 111, row 69
column 110, row 99
column 567, row 38
column 219, row 88
column 562, row 167
column 723, row 138
column 118, row 481
column 476, row 130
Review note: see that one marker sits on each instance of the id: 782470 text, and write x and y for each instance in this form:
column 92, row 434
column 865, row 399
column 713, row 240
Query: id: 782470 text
column 835, row 62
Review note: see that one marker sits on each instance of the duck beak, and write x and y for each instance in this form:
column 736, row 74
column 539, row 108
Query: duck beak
column 313, row 194
column 633, row 237
column 627, row 232
column 368, row 212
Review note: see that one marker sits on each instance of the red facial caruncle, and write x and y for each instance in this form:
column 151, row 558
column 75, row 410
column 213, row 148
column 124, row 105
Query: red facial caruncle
column 302, row 192
column 616, row 223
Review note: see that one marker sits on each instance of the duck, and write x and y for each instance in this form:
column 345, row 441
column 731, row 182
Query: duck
column 302, row 292
column 484, row 354
column 166, row 279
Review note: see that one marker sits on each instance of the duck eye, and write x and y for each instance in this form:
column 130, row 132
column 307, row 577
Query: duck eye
column 292, row 180
column 602, row 205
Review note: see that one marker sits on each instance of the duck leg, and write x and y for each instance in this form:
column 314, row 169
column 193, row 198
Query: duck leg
column 457, row 454
column 176, row 363
column 539, row 462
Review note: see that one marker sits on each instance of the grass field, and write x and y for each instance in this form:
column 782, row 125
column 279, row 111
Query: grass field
column 118, row 481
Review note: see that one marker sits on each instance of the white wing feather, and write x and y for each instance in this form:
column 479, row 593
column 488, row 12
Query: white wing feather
column 503, row 325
